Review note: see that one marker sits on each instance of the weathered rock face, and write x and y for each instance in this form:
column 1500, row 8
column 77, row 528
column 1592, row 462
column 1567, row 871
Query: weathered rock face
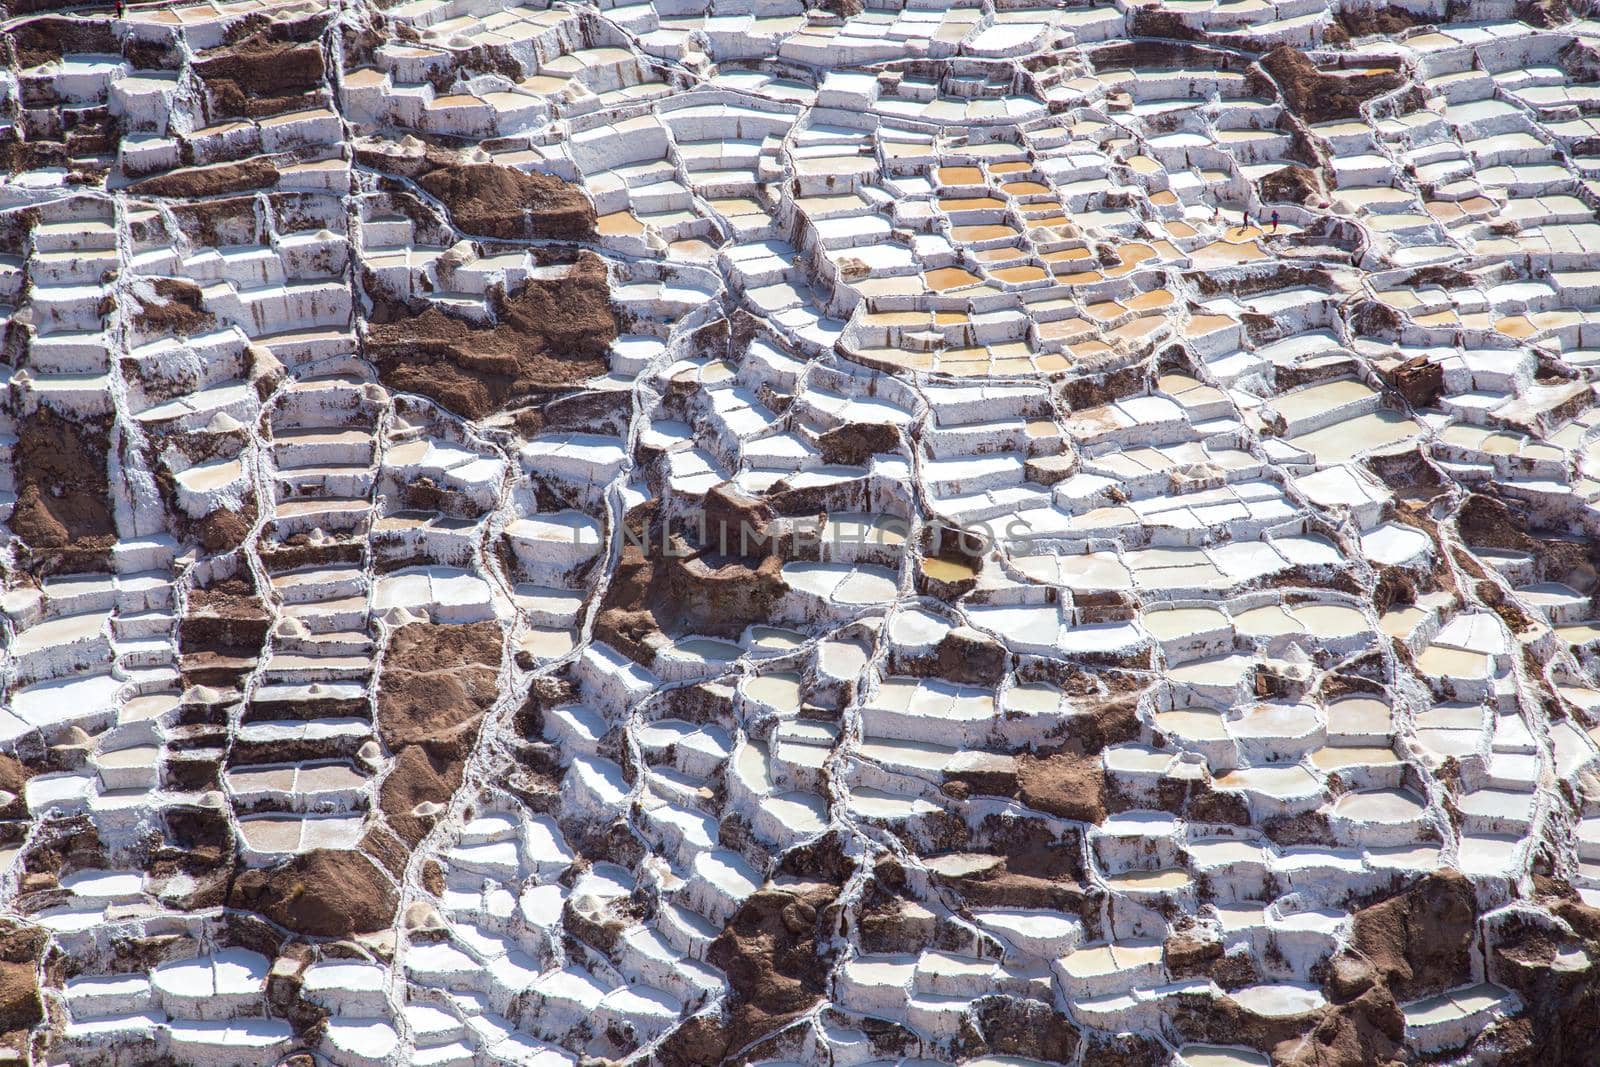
column 566, row 535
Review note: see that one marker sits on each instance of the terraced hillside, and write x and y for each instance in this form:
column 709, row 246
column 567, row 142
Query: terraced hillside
column 686, row 532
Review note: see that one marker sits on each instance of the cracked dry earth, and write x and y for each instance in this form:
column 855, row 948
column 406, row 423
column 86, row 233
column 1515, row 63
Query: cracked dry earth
column 377, row 690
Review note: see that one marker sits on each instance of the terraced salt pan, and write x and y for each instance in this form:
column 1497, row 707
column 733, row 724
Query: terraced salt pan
column 1250, row 658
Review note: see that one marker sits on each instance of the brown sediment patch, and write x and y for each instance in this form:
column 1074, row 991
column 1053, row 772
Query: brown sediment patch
column 1037, row 864
column 258, row 77
column 1488, row 522
column 1189, row 957
column 1319, row 96
column 1380, row 20
column 1265, row 278
column 972, row 657
column 1066, row 780
column 736, row 523
column 853, row 444
column 1169, row 54
column 20, row 1005
column 604, row 411
column 888, row 921
column 775, row 954
column 697, row 593
column 1063, row 784
column 63, row 508
column 14, row 775
column 1420, row 941
column 1207, row 1017
column 550, row 335
column 221, row 635
column 719, row 595
column 1168, row 25
column 437, row 681
column 489, row 200
column 175, row 308
column 1485, row 522
column 1420, row 381
column 417, row 778
column 18, row 155
column 681, row 589
column 1409, row 476
column 436, row 684
column 1292, row 184
column 228, row 613
column 225, row 529
column 324, row 893
column 1394, row 588
column 39, row 41
column 209, row 181
column 1031, row 1029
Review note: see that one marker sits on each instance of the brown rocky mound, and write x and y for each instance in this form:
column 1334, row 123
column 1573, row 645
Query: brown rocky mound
column 549, row 336
column 1414, row 944
column 1380, row 20
column 1292, row 184
column 258, row 77
column 215, row 180
column 684, row 591
column 38, row 41
column 437, row 682
column 854, row 444
column 772, row 952
column 20, row 1006
column 1420, row 942
column 63, row 508
column 1319, row 96
column 488, row 200
column 176, row 309
column 323, row 893
column 1419, row 381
